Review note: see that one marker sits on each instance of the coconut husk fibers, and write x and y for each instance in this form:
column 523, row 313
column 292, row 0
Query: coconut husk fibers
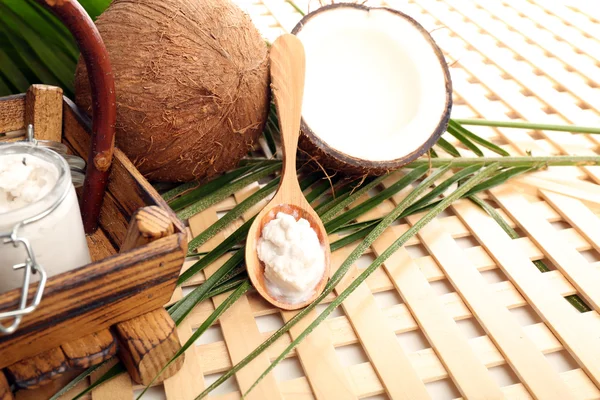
column 192, row 84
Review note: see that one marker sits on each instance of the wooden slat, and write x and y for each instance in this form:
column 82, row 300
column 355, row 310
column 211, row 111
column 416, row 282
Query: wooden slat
column 118, row 388
column 12, row 113
column 528, row 363
column 141, row 279
column 381, row 345
column 44, row 111
column 578, row 215
column 568, row 260
column 568, row 326
column 470, row 376
column 237, row 324
column 321, row 364
column 188, row 382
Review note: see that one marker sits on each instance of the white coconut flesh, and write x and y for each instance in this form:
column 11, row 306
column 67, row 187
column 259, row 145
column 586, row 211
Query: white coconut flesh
column 375, row 87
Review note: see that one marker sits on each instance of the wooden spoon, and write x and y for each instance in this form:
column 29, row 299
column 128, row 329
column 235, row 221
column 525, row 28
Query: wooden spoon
column 287, row 83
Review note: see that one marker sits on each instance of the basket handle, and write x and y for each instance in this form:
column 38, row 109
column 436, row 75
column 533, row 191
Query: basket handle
column 104, row 109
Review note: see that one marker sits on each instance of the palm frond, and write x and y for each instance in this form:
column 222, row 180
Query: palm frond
column 36, row 48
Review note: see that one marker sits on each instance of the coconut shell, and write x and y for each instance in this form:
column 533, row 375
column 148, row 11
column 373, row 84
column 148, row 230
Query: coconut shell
column 192, row 84
column 332, row 159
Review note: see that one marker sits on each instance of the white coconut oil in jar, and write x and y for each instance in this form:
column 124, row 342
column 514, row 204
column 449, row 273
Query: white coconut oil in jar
column 36, row 186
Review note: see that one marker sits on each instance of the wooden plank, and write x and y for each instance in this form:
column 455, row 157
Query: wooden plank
column 12, row 113
column 100, row 246
column 321, row 364
column 379, row 343
column 114, row 221
column 585, row 221
column 569, row 327
column 237, row 324
column 43, row 107
column 118, row 388
column 94, row 297
column 587, row 192
column 188, row 382
column 528, row 363
column 468, row 373
column 567, row 259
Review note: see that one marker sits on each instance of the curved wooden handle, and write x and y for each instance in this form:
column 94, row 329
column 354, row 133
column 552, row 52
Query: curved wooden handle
column 287, row 82
column 104, row 109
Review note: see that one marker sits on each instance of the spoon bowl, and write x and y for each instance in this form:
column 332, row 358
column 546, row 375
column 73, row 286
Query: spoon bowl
column 257, row 272
column 287, row 82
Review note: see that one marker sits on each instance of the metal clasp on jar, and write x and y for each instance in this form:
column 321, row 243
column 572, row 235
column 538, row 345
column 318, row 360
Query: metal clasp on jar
column 30, row 267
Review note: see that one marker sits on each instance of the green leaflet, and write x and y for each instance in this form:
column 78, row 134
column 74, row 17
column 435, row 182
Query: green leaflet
column 182, row 308
column 113, row 372
column 234, row 214
column 225, row 191
column 464, row 140
column 447, row 147
column 529, row 125
column 519, row 161
column 372, row 202
column 477, row 139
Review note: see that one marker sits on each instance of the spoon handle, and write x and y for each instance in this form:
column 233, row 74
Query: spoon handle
column 287, row 82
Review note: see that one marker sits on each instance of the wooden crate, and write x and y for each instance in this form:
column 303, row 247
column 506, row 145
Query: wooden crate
column 460, row 311
column 115, row 302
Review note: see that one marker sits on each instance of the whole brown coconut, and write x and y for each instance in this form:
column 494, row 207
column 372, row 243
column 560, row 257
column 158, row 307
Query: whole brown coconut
column 192, row 84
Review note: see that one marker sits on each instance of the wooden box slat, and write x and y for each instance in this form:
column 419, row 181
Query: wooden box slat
column 96, row 296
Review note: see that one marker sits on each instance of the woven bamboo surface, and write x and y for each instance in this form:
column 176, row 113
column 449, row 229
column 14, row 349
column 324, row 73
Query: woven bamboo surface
column 460, row 311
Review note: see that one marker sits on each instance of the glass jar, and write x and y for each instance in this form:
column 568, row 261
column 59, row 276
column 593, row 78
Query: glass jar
column 51, row 225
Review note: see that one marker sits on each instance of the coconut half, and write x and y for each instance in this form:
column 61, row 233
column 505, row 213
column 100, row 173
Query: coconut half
column 377, row 93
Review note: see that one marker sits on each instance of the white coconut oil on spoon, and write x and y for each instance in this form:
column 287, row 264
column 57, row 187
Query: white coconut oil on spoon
column 293, row 257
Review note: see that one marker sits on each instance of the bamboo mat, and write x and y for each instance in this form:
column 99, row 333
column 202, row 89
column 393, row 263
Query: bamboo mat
column 460, row 311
